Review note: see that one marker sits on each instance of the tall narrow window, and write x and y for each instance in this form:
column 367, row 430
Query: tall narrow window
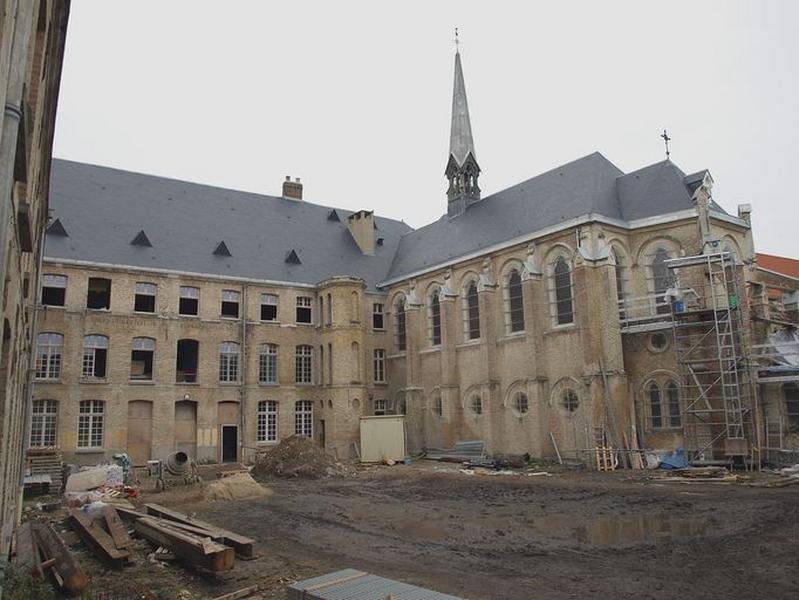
column 98, row 295
column 329, row 309
column 303, row 364
column 54, row 290
column 142, row 355
column 562, row 284
column 44, row 415
column 267, row 363
column 95, row 355
column 303, row 418
column 378, row 322
column 267, row 421
column 673, row 404
column 620, row 274
column 230, row 304
column 189, row 305
column 379, row 364
column 228, row 362
column 304, row 312
column 49, row 347
column 268, row 307
column 188, row 356
column 435, row 318
column 330, row 364
column 471, row 312
column 399, row 324
column 515, row 301
column 661, row 280
column 144, row 300
column 655, row 407
column 91, row 417
column 790, row 393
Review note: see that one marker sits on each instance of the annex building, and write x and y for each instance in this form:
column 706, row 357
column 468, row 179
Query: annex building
column 182, row 316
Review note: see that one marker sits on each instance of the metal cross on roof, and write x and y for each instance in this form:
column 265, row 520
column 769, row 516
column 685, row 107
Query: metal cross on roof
column 457, row 41
column 666, row 140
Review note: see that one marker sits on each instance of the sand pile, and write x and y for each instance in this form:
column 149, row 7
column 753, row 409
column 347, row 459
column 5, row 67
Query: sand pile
column 235, row 487
column 299, row 457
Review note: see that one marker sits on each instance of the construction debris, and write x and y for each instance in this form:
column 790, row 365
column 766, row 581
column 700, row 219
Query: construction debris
column 67, row 572
column 197, row 550
column 95, row 477
column 235, row 486
column 94, row 536
column 297, row 456
column 45, row 461
column 471, row 452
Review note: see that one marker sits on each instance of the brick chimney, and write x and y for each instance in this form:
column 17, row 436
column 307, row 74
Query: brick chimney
column 292, row 189
column 362, row 228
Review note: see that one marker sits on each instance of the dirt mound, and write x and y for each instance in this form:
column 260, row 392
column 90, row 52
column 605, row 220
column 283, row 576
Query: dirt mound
column 299, row 457
column 235, row 487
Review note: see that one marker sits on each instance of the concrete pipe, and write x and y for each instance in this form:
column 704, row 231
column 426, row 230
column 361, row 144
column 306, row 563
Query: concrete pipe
column 178, row 463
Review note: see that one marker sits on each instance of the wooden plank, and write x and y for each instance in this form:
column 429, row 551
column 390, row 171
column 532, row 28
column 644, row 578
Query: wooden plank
column 97, row 539
column 66, row 569
column 27, row 552
column 239, row 594
column 201, row 552
column 128, row 514
column 117, row 529
column 241, row 544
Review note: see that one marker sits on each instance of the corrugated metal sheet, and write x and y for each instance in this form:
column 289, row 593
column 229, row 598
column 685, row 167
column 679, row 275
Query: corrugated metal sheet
column 351, row 584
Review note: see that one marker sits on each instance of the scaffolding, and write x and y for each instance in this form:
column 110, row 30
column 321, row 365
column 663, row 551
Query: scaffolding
column 717, row 392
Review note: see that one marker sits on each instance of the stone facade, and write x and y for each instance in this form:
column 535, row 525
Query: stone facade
column 31, row 50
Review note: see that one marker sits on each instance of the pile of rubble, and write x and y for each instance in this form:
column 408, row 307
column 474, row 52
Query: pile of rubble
column 297, row 456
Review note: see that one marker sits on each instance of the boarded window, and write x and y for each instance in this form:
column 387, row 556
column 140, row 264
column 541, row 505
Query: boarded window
column 54, row 290
column 144, row 300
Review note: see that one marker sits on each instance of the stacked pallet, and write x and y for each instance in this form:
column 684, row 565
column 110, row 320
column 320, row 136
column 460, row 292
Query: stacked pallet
column 46, row 461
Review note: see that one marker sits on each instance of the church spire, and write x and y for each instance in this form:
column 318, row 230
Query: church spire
column 462, row 168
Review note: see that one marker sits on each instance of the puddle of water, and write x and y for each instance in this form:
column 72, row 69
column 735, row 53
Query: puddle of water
column 638, row 529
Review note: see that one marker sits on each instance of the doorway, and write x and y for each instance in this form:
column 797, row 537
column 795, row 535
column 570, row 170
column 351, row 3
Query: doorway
column 186, row 427
column 230, row 443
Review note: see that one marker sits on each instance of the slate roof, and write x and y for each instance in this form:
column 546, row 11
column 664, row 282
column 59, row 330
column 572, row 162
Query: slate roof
column 103, row 209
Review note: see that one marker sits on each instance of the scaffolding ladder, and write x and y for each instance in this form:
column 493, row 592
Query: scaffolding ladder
column 710, row 344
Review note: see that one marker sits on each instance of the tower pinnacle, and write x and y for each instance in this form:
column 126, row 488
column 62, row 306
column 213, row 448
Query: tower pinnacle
column 462, row 169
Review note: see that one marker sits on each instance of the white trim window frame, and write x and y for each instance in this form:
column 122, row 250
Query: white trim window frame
column 267, row 422
column 44, row 423
column 91, row 424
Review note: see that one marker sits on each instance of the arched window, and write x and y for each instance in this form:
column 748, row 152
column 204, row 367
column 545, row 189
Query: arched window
column 655, row 408
column 571, row 402
column 790, row 393
column 661, row 280
column 562, row 287
column 520, row 403
column 476, row 404
column 95, row 354
column 664, row 405
column 514, row 302
column 44, row 416
column 267, row 363
column 49, row 347
column 399, row 323
column 228, row 362
column 434, row 317
column 471, row 312
column 620, row 271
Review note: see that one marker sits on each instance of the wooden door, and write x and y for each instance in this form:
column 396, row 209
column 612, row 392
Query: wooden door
column 186, row 427
column 140, row 431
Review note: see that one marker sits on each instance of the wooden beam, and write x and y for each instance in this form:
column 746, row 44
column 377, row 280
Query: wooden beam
column 97, row 539
column 239, row 594
column 115, row 526
column 66, row 569
column 243, row 545
column 199, row 551
column 27, row 552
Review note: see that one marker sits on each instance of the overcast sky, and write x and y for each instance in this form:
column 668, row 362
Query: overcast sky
column 355, row 97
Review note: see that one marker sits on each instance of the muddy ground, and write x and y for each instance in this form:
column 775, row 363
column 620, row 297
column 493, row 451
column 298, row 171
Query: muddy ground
column 572, row 535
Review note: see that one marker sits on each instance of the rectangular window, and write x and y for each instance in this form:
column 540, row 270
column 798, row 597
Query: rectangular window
column 380, row 365
column 141, row 359
column 90, row 424
column 267, row 364
column 267, row 421
column 188, row 356
column 399, row 324
column 380, row 408
column 230, row 304
column 144, row 300
column 378, row 322
column 95, row 351
column 304, row 314
column 303, row 418
column 54, row 290
column 98, row 296
column 48, row 355
column 303, row 364
column 268, row 307
column 229, row 362
column 44, row 414
column 189, row 301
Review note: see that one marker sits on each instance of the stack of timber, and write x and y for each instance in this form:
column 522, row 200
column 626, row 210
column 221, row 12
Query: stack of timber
column 106, row 536
column 40, row 550
column 196, row 542
column 46, row 461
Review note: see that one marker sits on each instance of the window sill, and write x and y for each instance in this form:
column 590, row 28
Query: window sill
column 144, row 313
column 266, row 443
column 670, row 430
column 269, row 322
column 141, row 382
column 224, row 318
column 93, row 381
column 513, row 337
column 190, row 383
column 431, row 350
column 379, row 330
column 189, row 316
column 397, row 355
column 89, row 450
column 380, row 383
column 105, row 310
column 269, row 383
column 469, row 344
column 561, row 329
column 305, row 324
column 48, row 306
column 47, row 380
column 303, row 384
column 229, row 383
